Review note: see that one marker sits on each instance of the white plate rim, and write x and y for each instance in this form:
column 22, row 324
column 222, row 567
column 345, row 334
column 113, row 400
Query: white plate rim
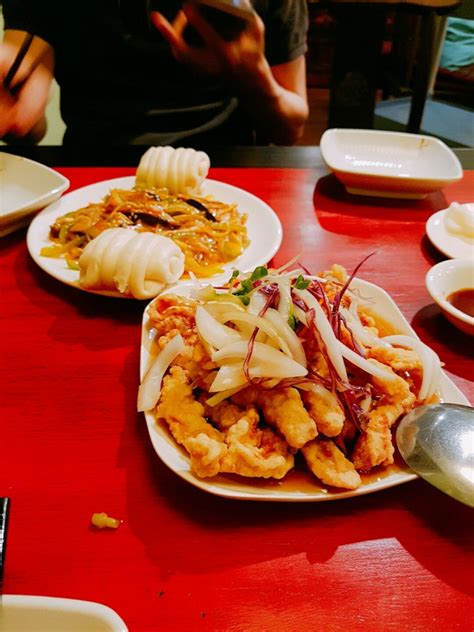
column 170, row 454
column 40, row 201
column 104, row 614
column 450, row 245
column 253, row 255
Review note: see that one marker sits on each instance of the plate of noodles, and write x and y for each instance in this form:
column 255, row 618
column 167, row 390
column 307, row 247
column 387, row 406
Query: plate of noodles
column 285, row 386
column 221, row 228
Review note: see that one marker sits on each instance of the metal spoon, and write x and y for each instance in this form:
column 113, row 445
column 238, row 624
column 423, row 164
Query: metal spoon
column 437, row 442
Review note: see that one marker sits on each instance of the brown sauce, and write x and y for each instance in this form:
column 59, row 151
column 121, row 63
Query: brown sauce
column 463, row 300
column 383, row 326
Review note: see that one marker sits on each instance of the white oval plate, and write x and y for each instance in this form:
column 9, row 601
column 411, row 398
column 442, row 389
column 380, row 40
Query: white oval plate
column 176, row 459
column 450, row 245
column 263, row 227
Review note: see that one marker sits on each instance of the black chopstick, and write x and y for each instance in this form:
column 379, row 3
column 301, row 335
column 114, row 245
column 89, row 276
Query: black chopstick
column 24, row 48
column 4, row 509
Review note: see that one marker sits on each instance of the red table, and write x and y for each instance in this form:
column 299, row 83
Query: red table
column 72, row 444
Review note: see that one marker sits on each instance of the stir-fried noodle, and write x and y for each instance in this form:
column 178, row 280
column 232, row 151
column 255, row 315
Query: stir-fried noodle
column 209, row 232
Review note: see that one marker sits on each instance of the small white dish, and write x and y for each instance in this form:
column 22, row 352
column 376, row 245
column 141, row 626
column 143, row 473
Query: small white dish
column 447, row 277
column 286, row 490
column 27, row 613
column 451, row 245
column 26, row 186
column 264, row 228
column 389, row 164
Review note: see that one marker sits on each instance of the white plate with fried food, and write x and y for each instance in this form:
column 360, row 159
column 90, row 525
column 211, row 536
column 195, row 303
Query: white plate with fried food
column 284, row 387
column 246, row 211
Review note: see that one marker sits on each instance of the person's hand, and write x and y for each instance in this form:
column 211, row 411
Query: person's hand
column 22, row 109
column 274, row 97
column 239, row 60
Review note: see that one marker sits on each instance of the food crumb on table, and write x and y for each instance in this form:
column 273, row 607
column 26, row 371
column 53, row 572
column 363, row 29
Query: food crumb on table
column 102, row 520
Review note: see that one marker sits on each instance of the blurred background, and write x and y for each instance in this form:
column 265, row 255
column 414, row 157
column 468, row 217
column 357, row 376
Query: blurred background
column 403, row 65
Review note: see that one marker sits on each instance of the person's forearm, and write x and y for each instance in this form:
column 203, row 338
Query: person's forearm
column 279, row 114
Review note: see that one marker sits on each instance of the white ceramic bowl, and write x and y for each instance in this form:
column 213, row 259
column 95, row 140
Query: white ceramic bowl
column 447, row 277
column 25, row 613
column 26, row 186
column 389, row 164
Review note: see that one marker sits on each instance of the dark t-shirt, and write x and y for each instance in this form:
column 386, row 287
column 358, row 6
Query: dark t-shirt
column 119, row 81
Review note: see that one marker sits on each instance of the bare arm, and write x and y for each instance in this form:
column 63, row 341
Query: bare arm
column 275, row 97
column 278, row 102
column 22, row 114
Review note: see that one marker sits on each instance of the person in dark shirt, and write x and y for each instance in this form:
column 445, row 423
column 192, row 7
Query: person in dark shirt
column 130, row 77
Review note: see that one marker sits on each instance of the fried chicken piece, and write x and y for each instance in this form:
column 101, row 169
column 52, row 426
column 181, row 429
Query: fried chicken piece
column 206, row 454
column 248, row 451
column 374, row 446
column 255, row 452
column 180, row 410
column 395, row 390
column 284, row 409
column 246, row 397
column 330, row 465
column 198, row 365
column 171, row 314
column 397, row 358
column 316, row 361
column 325, row 410
column 337, row 272
column 367, row 320
column 349, row 431
column 224, row 415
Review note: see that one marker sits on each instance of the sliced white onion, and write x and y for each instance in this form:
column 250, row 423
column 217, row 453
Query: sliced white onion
column 285, row 303
column 217, row 308
column 257, row 302
column 361, row 334
column 212, row 331
column 220, row 397
column 265, row 361
column 299, row 314
column 429, row 359
column 150, row 388
column 325, row 331
column 229, row 376
column 287, row 333
column 325, row 395
column 261, row 323
column 369, row 367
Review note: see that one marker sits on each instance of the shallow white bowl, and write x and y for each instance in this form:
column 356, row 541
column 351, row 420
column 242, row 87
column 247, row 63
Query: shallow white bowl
column 26, row 186
column 389, row 164
column 25, row 613
column 447, row 277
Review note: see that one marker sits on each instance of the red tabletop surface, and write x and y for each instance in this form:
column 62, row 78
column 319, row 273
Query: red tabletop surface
column 72, row 444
